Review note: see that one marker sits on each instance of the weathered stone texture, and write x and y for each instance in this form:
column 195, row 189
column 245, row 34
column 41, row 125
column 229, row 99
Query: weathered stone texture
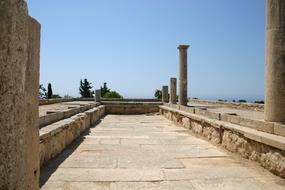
column 14, row 29
column 64, row 113
column 275, row 61
column 32, row 109
column 266, row 152
column 56, row 137
column 274, row 162
column 236, row 143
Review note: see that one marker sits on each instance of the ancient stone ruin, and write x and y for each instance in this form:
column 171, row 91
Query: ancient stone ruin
column 135, row 143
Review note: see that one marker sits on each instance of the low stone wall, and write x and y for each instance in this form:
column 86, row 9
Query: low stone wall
column 54, row 101
column 246, row 106
column 131, row 107
column 129, row 100
column 264, row 126
column 265, row 148
column 63, row 114
column 60, row 100
column 56, row 137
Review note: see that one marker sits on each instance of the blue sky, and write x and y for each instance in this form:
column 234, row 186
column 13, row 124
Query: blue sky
column 132, row 45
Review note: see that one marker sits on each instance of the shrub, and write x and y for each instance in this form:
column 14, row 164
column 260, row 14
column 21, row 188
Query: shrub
column 259, row 102
column 158, row 94
column 112, row 94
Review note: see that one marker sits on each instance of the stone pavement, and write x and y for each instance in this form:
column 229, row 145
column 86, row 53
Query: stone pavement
column 135, row 152
column 43, row 109
column 248, row 114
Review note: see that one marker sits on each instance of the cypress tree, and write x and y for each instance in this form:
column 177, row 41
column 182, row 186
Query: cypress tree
column 49, row 93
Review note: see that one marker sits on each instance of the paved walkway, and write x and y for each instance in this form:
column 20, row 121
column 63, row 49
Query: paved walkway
column 135, row 152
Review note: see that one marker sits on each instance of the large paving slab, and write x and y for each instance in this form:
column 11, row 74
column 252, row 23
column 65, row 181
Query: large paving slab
column 43, row 109
column 136, row 152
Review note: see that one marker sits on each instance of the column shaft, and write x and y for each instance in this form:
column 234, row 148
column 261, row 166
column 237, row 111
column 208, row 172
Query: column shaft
column 164, row 94
column 32, row 108
column 183, row 99
column 173, row 94
column 13, row 53
column 275, row 61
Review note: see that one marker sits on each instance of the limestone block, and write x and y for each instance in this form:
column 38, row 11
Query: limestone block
column 236, row 143
column 264, row 126
column 102, row 111
column 212, row 134
column 74, row 129
column 279, row 129
column 96, row 116
column 208, row 114
column 196, row 128
column 185, row 108
column 186, row 122
column 98, row 95
column 274, row 162
column 89, row 114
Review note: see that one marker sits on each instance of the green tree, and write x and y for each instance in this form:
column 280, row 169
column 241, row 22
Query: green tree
column 49, row 92
column 42, row 92
column 158, row 94
column 85, row 89
column 104, row 89
column 112, row 94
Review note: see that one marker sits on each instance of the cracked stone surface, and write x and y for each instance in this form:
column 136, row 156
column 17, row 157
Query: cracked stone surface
column 135, row 152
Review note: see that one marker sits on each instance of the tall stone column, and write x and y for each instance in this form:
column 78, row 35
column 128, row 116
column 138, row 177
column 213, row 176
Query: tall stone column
column 183, row 99
column 19, row 62
column 32, row 108
column 98, row 95
column 275, row 61
column 164, row 93
column 173, row 94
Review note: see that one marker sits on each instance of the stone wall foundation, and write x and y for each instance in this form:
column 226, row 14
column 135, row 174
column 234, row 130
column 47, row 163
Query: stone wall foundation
column 269, row 157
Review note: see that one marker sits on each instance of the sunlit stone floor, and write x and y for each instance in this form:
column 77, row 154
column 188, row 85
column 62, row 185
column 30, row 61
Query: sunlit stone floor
column 135, row 152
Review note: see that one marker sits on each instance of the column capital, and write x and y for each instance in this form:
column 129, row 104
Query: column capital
column 182, row 47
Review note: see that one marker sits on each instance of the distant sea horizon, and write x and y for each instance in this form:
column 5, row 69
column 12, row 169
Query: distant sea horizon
column 248, row 98
column 231, row 98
